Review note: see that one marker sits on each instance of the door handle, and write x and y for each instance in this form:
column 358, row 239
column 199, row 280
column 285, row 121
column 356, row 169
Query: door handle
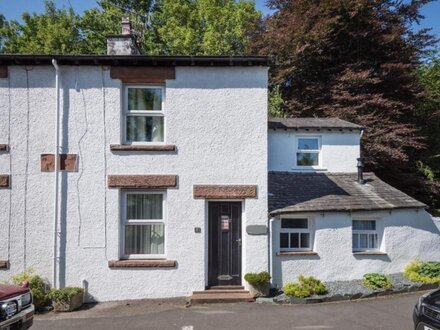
column 239, row 241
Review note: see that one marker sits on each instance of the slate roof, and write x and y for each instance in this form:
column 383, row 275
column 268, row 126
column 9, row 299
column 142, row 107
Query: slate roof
column 313, row 192
column 312, row 123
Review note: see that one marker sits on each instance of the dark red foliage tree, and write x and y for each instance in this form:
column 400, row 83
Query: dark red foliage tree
column 356, row 60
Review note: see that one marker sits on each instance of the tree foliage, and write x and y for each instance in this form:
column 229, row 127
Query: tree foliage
column 163, row 27
column 356, row 60
column 55, row 31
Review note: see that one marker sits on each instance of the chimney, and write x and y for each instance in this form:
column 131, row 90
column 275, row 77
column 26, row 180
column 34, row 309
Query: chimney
column 360, row 167
column 124, row 43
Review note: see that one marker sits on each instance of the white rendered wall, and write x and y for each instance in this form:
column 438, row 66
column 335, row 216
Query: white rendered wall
column 406, row 235
column 339, row 150
column 217, row 118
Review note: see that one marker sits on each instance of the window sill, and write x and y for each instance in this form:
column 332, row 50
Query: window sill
column 369, row 253
column 297, row 253
column 142, row 147
column 142, row 263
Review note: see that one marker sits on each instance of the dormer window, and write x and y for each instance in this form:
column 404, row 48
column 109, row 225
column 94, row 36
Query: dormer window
column 144, row 117
column 307, row 151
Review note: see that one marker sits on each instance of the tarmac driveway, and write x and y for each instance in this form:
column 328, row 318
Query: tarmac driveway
column 391, row 312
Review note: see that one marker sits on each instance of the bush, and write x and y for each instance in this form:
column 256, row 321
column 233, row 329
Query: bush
column 377, row 281
column 65, row 294
column 257, row 279
column 306, row 287
column 424, row 272
column 37, row 285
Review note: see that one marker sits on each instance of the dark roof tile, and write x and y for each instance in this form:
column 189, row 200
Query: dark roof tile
column 312, row 192
column 312, row 123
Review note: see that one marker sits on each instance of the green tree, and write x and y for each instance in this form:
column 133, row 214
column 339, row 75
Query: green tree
column 175, row 27
column 55, row 31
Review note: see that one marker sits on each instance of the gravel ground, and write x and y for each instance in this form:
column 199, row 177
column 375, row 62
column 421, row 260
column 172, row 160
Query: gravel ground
column 351, row 290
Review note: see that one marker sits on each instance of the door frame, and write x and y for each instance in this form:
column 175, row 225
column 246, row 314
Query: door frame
column 243, row 236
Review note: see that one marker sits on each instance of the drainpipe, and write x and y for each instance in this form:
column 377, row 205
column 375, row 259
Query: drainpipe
column 56, row 173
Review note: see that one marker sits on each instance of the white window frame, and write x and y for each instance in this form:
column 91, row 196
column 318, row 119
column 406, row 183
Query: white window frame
column 310, row 151
column 289, row 231
column 366, row 232
column 143, row 113
column 125, row 221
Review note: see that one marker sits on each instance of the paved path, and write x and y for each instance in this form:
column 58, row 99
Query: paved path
column 388, row 313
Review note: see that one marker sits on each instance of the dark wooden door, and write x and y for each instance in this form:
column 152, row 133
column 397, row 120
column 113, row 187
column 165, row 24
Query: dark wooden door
column 224, row 264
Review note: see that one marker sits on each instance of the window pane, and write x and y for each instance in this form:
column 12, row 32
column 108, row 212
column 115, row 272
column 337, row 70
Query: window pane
column 144, row 129
column 308, row 144
column 284, row 240
column 144, row 99
column 305, row 240
column 144, row 239
column 372, row 241
column 364, row 225
column 294, row 240
column 294, row 223
column 363, row 241
column 355, row 242
column 307, row 159
column 144, row 206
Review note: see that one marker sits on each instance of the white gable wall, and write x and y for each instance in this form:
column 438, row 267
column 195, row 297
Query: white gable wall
column 217, row 118
column 406, row 235
column 339, row 150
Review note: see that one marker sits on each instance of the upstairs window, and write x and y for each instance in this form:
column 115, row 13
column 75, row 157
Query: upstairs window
column 295, row 235
column 144, row 117
column 307, row 151
column 364, row 235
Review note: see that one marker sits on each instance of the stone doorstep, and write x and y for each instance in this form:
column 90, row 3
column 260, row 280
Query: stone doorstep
column 212, row 296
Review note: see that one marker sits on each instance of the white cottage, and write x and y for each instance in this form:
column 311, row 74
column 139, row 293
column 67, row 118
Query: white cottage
column 144, row 177
column 328, row 218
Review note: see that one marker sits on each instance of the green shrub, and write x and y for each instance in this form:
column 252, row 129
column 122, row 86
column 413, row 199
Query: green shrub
column 64, row 294
column 377, row 281
column 257, row 279
column 306, row 287
column 37, row 285
column 424, row 272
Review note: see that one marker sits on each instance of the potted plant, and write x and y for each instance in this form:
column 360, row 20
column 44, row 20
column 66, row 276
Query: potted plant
column 259, row 284
column 66, row 299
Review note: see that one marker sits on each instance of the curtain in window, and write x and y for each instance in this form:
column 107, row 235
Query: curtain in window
column 144, row 99
column 144, row 239
column 364, row 225
column 145, row 129
column 144, row 206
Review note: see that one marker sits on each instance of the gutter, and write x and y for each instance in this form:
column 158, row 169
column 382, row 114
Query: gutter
column 56, row 173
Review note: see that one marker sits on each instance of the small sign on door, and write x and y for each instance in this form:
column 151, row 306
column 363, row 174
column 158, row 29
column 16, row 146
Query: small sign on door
column 225, row 223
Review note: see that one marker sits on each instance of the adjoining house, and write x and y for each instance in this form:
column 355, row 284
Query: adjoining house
column 328, row 218
column 145, row 177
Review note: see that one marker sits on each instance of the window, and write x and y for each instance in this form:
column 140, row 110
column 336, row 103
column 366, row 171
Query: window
column 307, row 151
column 143, row 224
column 144, row 117
column 295, row 235
column 364, row 235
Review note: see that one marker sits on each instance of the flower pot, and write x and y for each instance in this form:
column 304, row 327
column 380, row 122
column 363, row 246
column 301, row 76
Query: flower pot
column 75, row 302
column 259, row 290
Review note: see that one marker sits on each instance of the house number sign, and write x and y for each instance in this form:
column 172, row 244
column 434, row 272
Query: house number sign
column 225, row 223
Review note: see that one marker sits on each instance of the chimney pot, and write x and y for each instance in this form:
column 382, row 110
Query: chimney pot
column 126, row 25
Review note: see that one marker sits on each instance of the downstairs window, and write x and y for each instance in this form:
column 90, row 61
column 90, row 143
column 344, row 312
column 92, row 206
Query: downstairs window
column 143, row 225
column 295, row 235
column 364, row 235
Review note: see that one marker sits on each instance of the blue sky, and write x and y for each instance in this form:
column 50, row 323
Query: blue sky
column 12, row 9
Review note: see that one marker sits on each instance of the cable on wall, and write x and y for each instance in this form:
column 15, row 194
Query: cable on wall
column 81, row 163
column 26, row 169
